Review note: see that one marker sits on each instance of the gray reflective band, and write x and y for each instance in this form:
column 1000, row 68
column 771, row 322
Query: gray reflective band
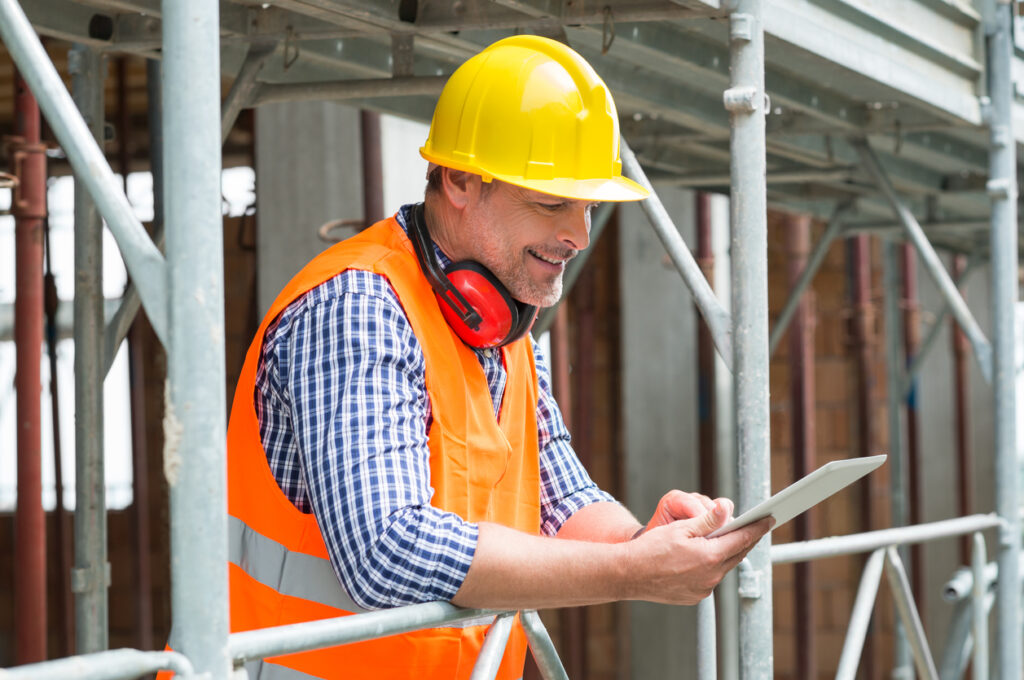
column 297, row 574
column 290, row 573
column 265, row 670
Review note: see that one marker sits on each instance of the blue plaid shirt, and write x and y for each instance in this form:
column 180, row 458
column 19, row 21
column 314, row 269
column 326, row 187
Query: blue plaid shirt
column 343, row 411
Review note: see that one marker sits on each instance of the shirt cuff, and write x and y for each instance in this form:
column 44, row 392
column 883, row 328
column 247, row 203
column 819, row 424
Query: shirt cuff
column 568, row 506
column 422, row 556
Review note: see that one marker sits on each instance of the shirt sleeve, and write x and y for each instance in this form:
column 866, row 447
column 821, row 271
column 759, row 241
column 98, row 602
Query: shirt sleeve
column 565, row 486
column 356, row 386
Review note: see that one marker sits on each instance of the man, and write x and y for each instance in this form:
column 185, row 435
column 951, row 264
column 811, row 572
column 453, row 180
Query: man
column 393, row 438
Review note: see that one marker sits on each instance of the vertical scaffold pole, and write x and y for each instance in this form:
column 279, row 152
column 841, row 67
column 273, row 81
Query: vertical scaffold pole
column 29, row 208
column 194, row 429
column 90, row 578
column 745, row 100
column 1002, row 189
column 902, row 668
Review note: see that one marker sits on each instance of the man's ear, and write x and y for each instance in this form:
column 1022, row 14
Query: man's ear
column 459, row 187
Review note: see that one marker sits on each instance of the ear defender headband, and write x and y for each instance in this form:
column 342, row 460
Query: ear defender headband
column 473, row 301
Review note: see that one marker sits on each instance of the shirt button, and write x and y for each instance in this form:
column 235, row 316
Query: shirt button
column 488, row 353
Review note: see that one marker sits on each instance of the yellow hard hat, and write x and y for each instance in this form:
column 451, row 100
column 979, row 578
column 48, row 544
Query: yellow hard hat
column 532, row 112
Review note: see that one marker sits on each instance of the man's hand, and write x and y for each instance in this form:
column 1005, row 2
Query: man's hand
column 593, row 560
column 677, row 505
column 672, row 560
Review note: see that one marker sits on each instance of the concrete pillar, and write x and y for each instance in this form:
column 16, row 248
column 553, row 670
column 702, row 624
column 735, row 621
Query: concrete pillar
column 659, row 386
column 308, row 173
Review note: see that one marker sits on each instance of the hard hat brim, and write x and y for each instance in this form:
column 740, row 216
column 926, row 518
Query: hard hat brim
column 615, row 189
column 612, row 189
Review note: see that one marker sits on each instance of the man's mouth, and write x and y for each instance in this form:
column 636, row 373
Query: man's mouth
column 550, row 260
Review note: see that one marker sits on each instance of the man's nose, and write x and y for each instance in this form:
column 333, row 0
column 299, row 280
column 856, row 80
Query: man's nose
column 575, row 231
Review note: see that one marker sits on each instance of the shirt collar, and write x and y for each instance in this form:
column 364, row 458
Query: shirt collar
column 404, row 217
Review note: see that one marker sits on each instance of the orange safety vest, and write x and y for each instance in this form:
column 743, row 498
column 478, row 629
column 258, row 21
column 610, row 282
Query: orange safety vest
column 481, row 469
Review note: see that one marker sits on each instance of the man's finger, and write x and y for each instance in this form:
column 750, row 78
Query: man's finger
column 709, row 521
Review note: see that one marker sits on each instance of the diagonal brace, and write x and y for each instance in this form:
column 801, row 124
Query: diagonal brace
column 922, row 352
column 856, row 632
column 719, row 320
column 981, row 345
column 145, row 263
column 900, row 587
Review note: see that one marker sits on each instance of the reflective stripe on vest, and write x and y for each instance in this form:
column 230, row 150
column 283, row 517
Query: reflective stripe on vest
column 290, row 573
column 296, row 574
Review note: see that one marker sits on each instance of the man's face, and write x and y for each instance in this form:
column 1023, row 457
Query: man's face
column 526, row 239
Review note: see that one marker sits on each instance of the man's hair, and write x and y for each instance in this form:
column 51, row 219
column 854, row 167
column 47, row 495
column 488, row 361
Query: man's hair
column 434, row 182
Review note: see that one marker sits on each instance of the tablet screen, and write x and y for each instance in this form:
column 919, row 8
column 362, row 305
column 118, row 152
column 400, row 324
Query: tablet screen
column 805, row 493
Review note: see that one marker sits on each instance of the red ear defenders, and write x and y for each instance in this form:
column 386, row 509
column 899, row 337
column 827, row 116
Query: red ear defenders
column 473, row 301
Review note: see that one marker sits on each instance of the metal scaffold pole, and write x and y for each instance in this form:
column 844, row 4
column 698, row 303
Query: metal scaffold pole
column 90, row 577
column 194, row 427
column 1002, row 189
column 745, row 100
column 29, row 208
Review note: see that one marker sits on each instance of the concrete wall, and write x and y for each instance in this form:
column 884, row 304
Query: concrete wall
column 935, row 398
column 308, row 172
column 659, row 371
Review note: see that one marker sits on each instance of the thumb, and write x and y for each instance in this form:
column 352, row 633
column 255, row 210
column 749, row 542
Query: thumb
column 709, row 521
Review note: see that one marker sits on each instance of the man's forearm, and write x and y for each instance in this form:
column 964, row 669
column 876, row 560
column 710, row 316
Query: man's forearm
column 515, row 570
column 670, row 563
column 601, row 523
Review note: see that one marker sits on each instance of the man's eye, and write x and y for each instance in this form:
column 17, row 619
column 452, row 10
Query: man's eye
column 552, row 207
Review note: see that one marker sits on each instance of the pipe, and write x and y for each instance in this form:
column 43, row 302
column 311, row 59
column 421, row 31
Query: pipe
column 836, row 546
column 900, row 588
column 373, row 167
column 338, row 90
column 835, row 226
column 897, row 462
column 572, row 620
column 933, row 333
column 801, row 376
column 962, row 416
column 137, row 396
column 63, row 538
column 980, row 615
column 29, row 209
column 242, row 89
column 1002, row 188
column 705, row 354
column 911, row 343
column 117, row 664
column 858, row 249
column 195, row 461
column 541, row 647
column 299, row 637
column 91, row 575
column 488, row 660
column 745, row 101
column 860, row 618
column 141, row 257
column 707, row 662
column 717, row 319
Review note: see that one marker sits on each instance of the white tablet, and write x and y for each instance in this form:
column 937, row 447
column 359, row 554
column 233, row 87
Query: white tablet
column 804, row 493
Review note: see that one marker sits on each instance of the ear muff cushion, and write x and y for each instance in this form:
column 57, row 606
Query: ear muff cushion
column 527, row 315
column 482, row 290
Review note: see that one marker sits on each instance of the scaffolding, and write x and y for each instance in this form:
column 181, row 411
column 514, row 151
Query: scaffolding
column 954, row 90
